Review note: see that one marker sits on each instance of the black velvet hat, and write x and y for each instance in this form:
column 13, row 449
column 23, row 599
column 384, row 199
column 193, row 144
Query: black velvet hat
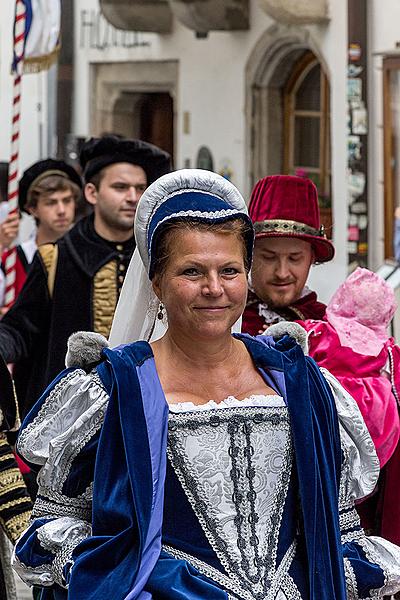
column 98, row 153
column 41, row 169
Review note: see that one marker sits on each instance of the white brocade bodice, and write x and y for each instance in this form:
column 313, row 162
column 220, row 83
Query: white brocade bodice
column 234, row 461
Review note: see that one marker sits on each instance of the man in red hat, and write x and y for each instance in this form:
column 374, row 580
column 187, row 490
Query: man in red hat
column 289, row 239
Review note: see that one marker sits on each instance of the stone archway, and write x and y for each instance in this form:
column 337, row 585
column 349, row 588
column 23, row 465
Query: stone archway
column 126, row 95
column 148, row 116
column 267, row 71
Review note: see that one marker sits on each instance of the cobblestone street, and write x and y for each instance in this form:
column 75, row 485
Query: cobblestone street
column 23, row 592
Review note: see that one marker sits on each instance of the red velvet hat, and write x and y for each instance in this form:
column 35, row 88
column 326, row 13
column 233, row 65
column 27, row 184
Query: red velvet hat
column 286, row 206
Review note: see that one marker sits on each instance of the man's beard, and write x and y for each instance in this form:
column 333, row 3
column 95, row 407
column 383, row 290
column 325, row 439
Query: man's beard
column 277, row 303
column 118, row 224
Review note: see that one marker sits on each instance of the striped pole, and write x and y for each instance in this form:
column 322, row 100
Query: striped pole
column 19, row 47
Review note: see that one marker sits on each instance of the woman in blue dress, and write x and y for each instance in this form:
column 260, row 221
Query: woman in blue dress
column 197, row 463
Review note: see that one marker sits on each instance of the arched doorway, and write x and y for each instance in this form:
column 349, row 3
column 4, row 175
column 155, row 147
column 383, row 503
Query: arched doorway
column 288, row 113
column 135, row 99
column 146, row 116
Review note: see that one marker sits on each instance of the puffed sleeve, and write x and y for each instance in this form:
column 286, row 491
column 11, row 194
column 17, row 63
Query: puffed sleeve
column 59, row 439
column 372, row 564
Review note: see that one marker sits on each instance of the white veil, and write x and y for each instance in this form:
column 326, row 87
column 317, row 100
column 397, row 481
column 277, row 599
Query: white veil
column 136, row 313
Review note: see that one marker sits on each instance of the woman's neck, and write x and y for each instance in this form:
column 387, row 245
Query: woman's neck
column 203, row 354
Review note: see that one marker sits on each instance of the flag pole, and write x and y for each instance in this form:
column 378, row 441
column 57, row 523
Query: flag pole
column 19, row 49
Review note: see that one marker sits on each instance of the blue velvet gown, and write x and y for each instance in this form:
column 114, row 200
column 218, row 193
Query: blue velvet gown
column 249, row 501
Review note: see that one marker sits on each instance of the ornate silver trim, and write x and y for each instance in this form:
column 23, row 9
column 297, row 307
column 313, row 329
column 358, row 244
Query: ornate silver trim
column 55, row 505
column 290, row 589
column 348, row 518
column 229, row 583
column 232, row 586
column 199, row 214
column 237, row 425
column 351, row 581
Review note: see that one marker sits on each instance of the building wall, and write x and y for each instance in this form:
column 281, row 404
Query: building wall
column 211, row 95
column 383, row 33
column 36, row 139
column 34, row 107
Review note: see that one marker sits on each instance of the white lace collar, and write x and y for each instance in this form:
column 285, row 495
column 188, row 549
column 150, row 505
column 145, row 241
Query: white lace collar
column 271, row 400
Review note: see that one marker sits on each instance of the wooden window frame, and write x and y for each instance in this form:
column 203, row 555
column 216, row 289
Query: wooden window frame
column 299, row 73
column 389, row 64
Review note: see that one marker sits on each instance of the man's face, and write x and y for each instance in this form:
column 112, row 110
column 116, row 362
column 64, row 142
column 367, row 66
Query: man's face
column 116, row 199
column 55, row 213
column 280, row 269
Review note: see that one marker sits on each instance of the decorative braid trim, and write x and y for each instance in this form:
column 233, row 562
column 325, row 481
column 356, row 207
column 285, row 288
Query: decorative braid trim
column 351, row 581
column 17, row 525
column 348, row 519
column 62, row 506
column 290, row 227
column 105, row 296
column 394, row 389
column 227, row 583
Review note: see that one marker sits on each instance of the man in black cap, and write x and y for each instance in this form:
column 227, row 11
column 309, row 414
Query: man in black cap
column 49, row 191
column 74, row 284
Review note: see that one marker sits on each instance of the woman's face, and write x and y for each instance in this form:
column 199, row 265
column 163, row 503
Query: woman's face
column 204, row 284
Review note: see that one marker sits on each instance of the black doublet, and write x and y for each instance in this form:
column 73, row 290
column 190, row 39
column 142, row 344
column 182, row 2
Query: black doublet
column 34, row 333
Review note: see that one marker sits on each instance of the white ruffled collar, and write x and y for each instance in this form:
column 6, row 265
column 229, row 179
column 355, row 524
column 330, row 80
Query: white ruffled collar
column 271, row 400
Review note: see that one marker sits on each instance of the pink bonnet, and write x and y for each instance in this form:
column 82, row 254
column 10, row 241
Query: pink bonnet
column 361, row 310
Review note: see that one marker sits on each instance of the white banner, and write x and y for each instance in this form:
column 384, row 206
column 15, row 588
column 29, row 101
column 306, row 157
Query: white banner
column 42, row 34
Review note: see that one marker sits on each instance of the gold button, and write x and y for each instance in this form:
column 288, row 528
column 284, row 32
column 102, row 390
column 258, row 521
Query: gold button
column 121, row 278
column 119, row 247
column 121, row 267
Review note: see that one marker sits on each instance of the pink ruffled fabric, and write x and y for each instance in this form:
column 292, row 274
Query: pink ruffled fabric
column 360, row 312
column 361, row 376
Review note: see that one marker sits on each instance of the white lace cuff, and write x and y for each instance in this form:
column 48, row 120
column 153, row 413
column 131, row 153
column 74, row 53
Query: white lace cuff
column 60, row 537
column 361, row 465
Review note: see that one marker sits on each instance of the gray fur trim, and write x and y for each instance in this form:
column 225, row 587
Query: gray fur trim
column 84, row 349
column 295, row 331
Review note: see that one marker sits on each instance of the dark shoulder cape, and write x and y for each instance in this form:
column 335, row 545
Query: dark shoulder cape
column 307, row 307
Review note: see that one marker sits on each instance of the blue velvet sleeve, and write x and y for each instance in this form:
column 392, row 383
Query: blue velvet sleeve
column 59, row 439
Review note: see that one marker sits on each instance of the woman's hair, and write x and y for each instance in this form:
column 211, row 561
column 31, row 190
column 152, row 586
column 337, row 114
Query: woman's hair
column 163, row 244
column 49, row 185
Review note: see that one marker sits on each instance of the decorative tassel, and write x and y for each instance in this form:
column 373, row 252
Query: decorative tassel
column 36, row 64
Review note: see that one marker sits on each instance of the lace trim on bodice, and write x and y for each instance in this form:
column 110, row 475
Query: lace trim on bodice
column 272, row 400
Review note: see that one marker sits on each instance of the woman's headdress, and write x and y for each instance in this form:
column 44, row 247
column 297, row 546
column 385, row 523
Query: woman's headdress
column 188, row 194
column 361, row 310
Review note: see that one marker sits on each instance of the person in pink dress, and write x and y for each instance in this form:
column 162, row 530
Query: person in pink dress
column 352, row 342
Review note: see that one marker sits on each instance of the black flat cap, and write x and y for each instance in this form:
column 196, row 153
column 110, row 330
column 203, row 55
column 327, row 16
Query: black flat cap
column 98, row 153
column 41, row 169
